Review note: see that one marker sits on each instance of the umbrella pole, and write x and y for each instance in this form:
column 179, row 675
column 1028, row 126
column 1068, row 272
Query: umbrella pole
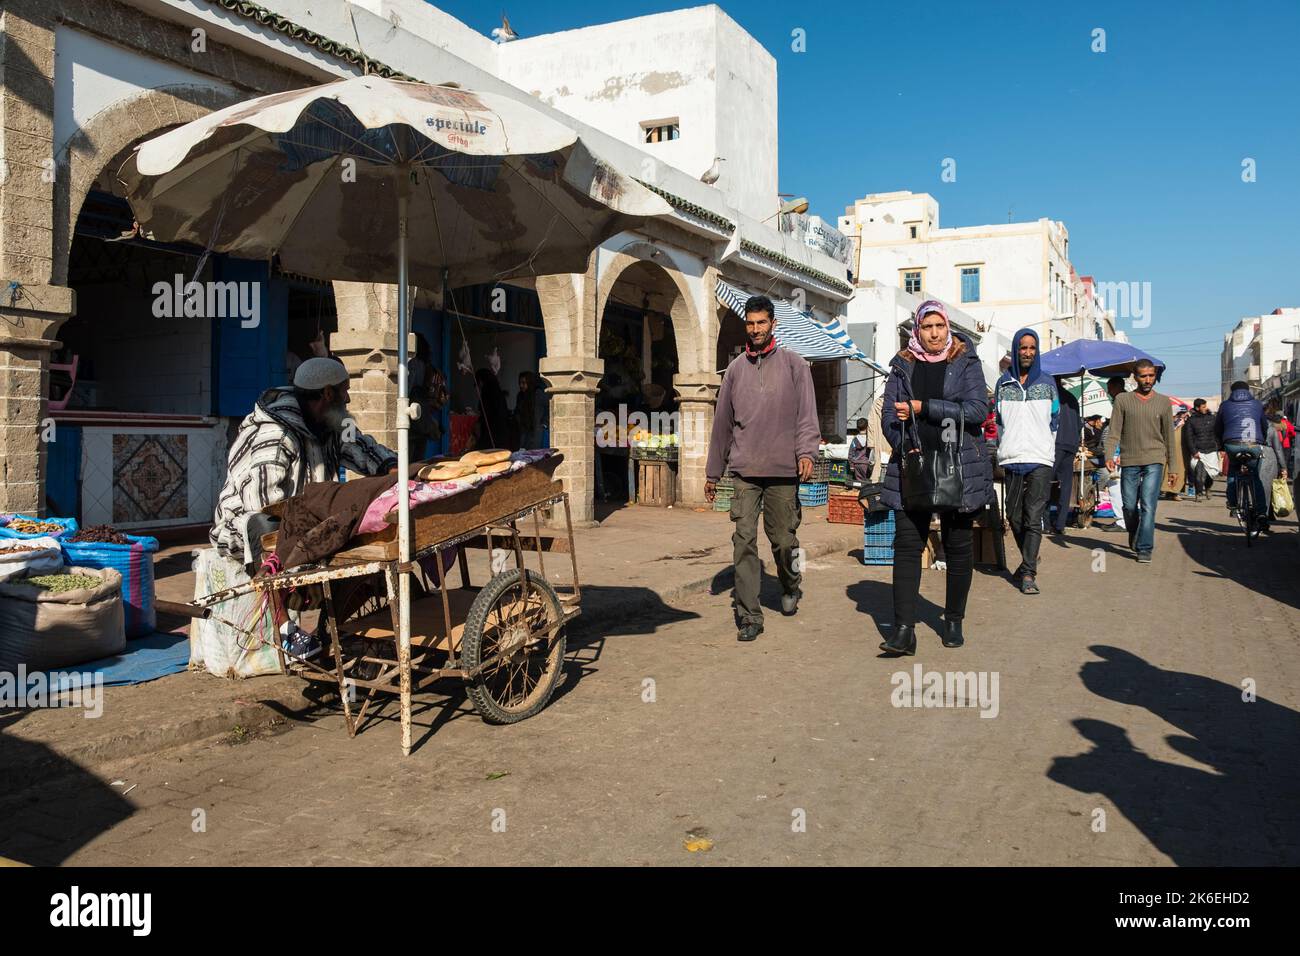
column 403, row 469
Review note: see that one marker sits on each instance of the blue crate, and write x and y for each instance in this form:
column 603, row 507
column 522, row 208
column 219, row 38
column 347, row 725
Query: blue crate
column 878, row 554
column 878, row 537
column 812, row 494
column 878, row 525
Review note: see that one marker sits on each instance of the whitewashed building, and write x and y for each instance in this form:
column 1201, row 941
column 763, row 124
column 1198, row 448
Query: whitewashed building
column 1006, row 276
column 1260, row 348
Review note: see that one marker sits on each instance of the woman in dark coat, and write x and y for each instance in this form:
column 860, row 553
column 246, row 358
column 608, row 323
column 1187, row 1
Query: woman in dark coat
column 937, row 379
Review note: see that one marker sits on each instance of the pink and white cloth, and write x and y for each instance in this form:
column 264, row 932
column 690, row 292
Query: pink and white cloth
column 423, row 492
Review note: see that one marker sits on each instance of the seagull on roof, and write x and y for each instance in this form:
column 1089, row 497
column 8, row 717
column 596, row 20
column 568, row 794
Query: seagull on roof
column 503, row 33
column 713, row 172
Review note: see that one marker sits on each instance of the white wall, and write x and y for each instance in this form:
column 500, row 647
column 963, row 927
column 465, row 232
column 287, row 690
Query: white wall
column 470, row 42
column 1025, row 273
column 91, row 75
column 1262, row 334
column 170, row 360
column 695, row 66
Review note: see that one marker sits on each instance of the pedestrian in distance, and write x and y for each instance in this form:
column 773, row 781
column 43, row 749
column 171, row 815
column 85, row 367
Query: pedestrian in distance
column 1028, row 407
column 1142, row 425
column 862, row 457
column 935, row 394
column 765, row 432
column 1199, row 445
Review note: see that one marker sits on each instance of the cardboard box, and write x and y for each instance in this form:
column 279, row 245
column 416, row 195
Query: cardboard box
column 933, row 549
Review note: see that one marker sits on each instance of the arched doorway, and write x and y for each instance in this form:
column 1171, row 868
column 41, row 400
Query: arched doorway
column 647, row 334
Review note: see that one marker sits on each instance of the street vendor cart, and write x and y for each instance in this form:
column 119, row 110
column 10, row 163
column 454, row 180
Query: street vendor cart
column 504, row 640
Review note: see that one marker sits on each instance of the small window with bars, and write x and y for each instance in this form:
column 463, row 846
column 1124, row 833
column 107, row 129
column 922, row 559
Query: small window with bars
column 912, row 281
column 661, row 131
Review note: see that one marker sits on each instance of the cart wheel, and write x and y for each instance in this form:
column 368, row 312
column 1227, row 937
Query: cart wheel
column 502, row 623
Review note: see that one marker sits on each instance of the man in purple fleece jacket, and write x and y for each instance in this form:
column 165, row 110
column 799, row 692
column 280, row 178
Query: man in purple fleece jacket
column 765, row 432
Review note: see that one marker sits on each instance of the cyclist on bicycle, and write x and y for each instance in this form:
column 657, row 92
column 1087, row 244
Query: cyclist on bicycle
column 1242, row 430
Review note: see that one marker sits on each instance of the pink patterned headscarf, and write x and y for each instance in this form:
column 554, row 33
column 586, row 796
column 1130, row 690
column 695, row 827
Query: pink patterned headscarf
column 914, row 344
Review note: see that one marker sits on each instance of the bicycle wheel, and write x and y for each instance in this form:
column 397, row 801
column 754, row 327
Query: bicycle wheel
column 1246, row 506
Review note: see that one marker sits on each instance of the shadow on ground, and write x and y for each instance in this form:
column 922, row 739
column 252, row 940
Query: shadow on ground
column 36, row 821
column 1267, row 567
column 1237, row 808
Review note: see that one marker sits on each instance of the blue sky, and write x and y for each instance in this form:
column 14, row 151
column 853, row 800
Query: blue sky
column 1138, row 149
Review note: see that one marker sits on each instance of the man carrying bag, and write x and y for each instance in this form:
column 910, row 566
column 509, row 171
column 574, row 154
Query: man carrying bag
column 935, row 404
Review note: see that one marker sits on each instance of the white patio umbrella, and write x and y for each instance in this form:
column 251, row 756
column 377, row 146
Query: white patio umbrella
column 380, row 180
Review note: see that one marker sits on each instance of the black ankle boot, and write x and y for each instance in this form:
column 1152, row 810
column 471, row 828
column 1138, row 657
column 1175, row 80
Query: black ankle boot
column 902, row 641
column 952, row 634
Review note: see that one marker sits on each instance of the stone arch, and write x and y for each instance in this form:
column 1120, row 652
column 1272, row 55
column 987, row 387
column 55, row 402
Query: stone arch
column 651, row 262
column 107, row 137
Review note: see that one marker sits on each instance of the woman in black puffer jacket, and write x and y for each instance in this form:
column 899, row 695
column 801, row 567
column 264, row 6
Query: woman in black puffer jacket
column 937, row 378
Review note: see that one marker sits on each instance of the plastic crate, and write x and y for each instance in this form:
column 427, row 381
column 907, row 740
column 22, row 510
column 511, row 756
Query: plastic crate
column 646, row 453
column 878, row 526
column 821, row 470
column 812, row 494
column 878, row 537
column 721, row 504
column 843, row 509
column 878, row 554
column 839, row 471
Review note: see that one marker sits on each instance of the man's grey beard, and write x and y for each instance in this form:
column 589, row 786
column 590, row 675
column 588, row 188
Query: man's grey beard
column 334, row 416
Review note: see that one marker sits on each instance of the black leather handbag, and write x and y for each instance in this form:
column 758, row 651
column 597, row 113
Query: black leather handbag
column 869, row 497
column 932, row 480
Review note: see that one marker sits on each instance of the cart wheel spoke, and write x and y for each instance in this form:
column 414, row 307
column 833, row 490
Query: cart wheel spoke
column 508, row 627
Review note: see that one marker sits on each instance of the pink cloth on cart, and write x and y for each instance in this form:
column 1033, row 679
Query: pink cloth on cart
column 422, row 492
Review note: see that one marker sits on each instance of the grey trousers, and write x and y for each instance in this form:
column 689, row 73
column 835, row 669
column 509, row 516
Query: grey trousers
column 778, row 500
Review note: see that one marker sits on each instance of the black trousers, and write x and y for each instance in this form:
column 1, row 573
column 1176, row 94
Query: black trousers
column 1065, row 472
column 911, row 529
column 1026, row 501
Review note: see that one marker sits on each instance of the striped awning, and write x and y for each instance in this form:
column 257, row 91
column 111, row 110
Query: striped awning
column 798, row 331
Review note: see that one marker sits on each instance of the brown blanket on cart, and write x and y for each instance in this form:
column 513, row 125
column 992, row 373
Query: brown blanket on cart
column 322, row 519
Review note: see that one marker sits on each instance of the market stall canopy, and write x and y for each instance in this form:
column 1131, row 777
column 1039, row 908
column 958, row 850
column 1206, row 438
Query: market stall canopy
column 495, row 188
column 799, row 331
column 1096, row 357
column 1091, row 393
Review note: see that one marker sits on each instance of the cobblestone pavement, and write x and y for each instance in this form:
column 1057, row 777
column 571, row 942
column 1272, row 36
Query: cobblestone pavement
column 1120, row 737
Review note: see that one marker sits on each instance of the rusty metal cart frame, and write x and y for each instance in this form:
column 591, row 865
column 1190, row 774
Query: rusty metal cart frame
column 477, row 525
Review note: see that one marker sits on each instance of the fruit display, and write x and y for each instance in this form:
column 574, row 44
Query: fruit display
column 100, row 534
column 644, row 439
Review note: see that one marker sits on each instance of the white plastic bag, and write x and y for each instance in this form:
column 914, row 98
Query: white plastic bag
column 1113, row 492
column 29, row 557
column 215, row 645
column 1209, row 461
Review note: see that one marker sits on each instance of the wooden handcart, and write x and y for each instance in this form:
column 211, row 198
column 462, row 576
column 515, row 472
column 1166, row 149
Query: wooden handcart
column 504, row 640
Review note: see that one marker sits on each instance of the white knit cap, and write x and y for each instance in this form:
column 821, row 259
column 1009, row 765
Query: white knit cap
column 315, row 373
